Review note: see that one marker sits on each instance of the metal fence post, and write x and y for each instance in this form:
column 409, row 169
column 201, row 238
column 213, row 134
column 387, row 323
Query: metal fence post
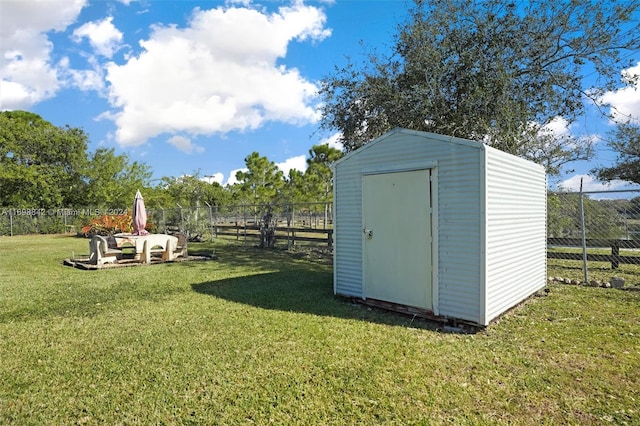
column 584, row 237
column 244, row 224
column 181, row 219
column 210, row 219
column 289, row 215
column 164, row 222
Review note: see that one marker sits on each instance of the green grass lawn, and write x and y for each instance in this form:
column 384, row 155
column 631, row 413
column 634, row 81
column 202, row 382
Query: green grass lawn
column 257, row 337
column 601, row 271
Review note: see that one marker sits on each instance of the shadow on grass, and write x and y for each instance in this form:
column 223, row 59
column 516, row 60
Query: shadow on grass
column 302, row 291
column 251, row 256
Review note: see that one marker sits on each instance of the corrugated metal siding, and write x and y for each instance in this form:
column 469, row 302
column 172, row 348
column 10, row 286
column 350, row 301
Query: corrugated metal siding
column 515, row 231
column 347, row 257
column 459, row 165
column 459, row 234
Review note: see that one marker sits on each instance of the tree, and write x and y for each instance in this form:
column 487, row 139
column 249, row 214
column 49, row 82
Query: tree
column 316, row 183
column 41, row 165
column 494, row 71
column 44, row 166
column 193, row 194
column 319, row 173
column 296, row 189
column 261, row 185
column 625, row 140
column 602, row 219
column 319, row 176
column 112, row 180
column 192, row 191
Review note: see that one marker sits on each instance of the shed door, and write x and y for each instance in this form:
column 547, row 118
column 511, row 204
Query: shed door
column 397, row 237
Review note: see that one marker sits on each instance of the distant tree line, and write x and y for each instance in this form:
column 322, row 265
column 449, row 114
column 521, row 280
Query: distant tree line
column 44, row 166
column 608, row 219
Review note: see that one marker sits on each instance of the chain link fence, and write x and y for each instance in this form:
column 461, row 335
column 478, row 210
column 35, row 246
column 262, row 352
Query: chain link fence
column 288, row 224
column 22, row 221
column 594, row 237
column 591, row 235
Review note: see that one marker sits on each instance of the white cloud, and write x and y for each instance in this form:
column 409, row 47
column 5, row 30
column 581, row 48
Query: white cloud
column 39, row 16
column 184, row 144
column 216, row 177
column 299, row 163
column 589, row 183
column 103, row 36
column 245, row 3
column 557, row 127
column 559, row 133
column 333, row 141
column 218, row 74
column 232, row 176
column 27, row 75
column 85, row 80
column 625, row 102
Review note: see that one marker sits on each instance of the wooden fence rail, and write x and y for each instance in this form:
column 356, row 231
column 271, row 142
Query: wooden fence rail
column 292, row 234
column 615, row 258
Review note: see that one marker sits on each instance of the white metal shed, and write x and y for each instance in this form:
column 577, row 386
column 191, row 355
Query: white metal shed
column 439, row 225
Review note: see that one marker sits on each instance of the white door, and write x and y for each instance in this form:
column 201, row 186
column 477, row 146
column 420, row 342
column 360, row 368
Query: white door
column 397, row 237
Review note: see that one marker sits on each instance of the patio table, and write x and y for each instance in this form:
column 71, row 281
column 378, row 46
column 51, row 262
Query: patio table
column 144, row 245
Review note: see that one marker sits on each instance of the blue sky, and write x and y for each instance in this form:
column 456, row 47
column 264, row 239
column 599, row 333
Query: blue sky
column 192, row 86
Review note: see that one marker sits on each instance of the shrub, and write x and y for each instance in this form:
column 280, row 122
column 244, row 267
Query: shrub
column 112, row 224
